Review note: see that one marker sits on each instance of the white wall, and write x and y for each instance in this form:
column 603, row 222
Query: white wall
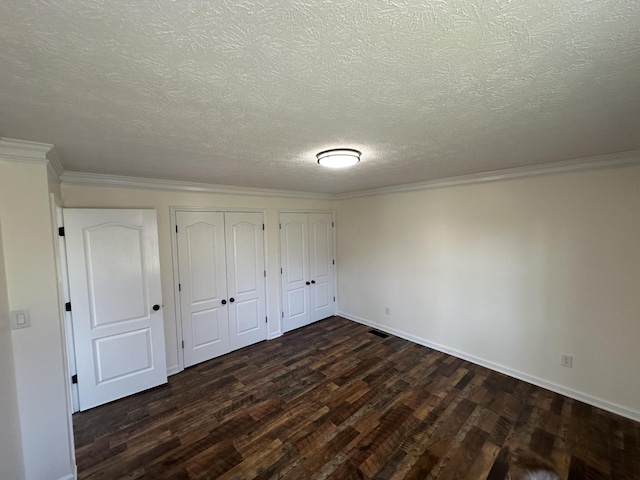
column 77, row 196
column 10, row 442
column 510, row 274
column 27, row 242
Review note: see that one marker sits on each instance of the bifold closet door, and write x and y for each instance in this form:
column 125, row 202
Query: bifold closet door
column 307, row 262
column 221, row 276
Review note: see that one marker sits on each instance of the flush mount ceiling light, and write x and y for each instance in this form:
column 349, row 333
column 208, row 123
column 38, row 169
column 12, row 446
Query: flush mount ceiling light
column 338, row 158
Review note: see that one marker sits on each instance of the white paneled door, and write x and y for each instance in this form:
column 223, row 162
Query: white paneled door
column 221, row 277
column 294, row 258
column 203, row 285
column 307, row 261
column 114, row 283
column 321, row 260
column 245, row 278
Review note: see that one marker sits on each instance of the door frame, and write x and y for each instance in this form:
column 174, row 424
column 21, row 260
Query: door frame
column 279, row 259
column 171, row 370
column 63, row 297
column 66, row 328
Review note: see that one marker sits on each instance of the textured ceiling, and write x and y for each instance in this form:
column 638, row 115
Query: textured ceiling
column 245, row 92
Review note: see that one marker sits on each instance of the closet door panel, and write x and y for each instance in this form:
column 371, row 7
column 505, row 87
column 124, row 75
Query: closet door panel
column 321, row 265
column 203, row 280
column 294, row 257
column 245, row 278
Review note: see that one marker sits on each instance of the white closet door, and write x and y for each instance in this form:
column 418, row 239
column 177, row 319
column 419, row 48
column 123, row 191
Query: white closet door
column 294, row 258
column 203, row 282
column 245, row 278
column 114, row 284
column 321, row 266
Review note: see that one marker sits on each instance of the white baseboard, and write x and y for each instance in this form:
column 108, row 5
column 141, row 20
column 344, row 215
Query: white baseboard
column 540, row 382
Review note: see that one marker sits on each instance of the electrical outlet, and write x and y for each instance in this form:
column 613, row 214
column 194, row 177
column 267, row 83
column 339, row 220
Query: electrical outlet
column 566, row 361
column 387, row 310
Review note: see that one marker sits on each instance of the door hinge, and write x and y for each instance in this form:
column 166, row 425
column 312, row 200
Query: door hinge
column 67, row 307
column 61, row 231
column 179, row 287
column 332, row 225
column 176, row 228
column 280, row 226
column 334, row 262
column 74, row 378
column 266, row 320
column 182, row 343
column 280, row 270
column 263, row 226
column 334, row 299
column 265, row 274
column 282, row 314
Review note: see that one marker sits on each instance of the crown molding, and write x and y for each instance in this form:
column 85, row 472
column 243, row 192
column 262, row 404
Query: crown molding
column 44, row 153
column 23, row 151
column 15, row 150
column 54, row 162
column 567, row 166
column 103, row 180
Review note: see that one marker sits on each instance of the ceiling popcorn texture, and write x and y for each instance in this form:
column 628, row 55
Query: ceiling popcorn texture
column 246, row 92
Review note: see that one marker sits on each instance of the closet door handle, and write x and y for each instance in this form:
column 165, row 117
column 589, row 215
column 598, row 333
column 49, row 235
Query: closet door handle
column 224, row 302
column 313, row 281
column 156, row 307
column 232, row 299
column 308, row 283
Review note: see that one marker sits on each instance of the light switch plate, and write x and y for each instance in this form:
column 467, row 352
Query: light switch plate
column 20, row 319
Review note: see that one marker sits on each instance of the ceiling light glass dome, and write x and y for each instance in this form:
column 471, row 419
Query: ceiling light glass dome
column 338, row 158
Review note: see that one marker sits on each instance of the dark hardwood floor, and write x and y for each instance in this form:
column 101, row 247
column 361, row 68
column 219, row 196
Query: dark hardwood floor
column 334, row 401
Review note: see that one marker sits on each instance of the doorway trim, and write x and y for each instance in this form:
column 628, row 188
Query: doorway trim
column 57, row 221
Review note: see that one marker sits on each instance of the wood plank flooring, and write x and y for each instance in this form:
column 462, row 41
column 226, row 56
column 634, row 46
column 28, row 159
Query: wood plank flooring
column 333, row 401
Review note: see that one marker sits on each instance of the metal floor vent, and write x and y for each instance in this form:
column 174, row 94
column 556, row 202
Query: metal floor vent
column 380, row 334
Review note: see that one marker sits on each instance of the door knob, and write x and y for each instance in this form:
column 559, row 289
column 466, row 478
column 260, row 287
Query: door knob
column 224, row 302
column 313, row 281
column 308, row 283
column 156, row 307
column 232, row 299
